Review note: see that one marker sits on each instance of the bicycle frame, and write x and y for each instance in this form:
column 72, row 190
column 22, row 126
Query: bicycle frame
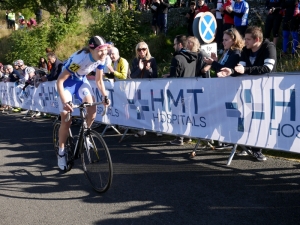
column 83, row 128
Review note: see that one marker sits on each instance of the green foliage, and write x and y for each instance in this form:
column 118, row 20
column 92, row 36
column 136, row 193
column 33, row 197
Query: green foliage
column 27, row 45
column 59, row 28
column 119, row 27
column 66, row 8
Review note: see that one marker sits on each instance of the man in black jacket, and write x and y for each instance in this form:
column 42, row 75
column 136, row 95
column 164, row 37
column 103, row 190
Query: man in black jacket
column 258, row 57
column 183, row 63
column 56, row 67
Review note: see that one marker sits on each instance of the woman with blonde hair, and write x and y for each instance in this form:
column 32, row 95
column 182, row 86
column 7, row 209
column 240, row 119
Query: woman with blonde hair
column 202, row 67
column 143, row 65
column 233, row 44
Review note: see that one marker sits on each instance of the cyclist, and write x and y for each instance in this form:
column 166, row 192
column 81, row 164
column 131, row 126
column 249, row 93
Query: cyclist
column 72, row 80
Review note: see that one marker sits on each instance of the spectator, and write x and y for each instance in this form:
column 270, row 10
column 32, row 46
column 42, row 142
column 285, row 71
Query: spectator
column 20, row 18
column 258, row 57
column 106, row 62
column 2, row 72
column 13, row 75
column 218, row 11
column 22, row 24
column 233, row 44
column 6, row 18
column 16, row 67
column 38, row 14
column 119, row 68
column 273, row 19
column 31, row 77
column 228, row 17
column 143, row 65
column 12, row 19
column 240, row 11
column 290, row 24
column 190, row 17
column 162, row 15
column 202, row 7
column 142, row 5
column 5, row 73
column 31, row 23
column 56, row 66
column 154, row 11
column 183, row 64
column 49, row 65
column 109, row 46
column 24, row 72
column 43, row 63
column 201, row 67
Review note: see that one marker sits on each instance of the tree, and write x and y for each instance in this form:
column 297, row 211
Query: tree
column 66, row 8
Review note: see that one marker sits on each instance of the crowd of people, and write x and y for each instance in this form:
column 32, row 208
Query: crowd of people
column 16, row 22
column 232, row 13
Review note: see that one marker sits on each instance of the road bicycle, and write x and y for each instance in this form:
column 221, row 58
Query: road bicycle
column 90, row 147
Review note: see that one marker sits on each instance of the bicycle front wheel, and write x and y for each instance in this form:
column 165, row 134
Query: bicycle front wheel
column 96, row 161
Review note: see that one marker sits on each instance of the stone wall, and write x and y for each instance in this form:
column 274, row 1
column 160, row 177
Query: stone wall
column 176, row 17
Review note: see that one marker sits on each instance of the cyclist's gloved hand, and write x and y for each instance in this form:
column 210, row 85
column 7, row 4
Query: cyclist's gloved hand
column 106, row 100
column 68, row 107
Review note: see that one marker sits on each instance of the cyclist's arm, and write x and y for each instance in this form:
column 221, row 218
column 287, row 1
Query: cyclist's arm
column 60, row 87
column 99, row 81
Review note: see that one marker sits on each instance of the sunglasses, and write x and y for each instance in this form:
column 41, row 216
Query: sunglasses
column 140, row 49
column 231, row 31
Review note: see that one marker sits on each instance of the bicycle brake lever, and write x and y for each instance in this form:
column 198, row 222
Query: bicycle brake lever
column 68, row 117
column 104, row 111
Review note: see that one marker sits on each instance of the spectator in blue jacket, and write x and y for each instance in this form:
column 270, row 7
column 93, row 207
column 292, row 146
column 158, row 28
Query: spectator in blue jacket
column 240, row 11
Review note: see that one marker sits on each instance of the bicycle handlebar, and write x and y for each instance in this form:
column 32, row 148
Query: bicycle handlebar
column 84, row 105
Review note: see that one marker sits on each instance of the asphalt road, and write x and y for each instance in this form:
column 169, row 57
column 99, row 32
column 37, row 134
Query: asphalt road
column 153, row 183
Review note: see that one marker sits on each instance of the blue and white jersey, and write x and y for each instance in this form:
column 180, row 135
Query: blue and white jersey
column 241, row 7
column 79, row 65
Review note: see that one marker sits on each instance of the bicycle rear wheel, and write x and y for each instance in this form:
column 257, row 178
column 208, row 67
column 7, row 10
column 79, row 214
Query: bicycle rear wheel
column 96, row 161
column 69, row 146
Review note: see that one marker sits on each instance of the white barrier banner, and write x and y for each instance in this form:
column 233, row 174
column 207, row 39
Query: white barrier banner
column 251, row 110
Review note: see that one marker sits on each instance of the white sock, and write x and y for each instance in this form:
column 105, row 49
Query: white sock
column 61, row 151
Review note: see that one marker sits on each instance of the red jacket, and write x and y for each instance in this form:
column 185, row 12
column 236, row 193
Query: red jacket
column 200, row 9
column 228, row 17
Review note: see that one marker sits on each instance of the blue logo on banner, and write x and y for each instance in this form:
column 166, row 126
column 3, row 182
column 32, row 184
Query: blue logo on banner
column 232, row 108
column 139, row 104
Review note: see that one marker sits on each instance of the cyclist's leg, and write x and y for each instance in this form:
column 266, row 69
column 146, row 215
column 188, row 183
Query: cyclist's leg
column 63, row 132
column 85, row 94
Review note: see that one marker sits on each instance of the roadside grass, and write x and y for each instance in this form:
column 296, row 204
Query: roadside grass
column 282, row 154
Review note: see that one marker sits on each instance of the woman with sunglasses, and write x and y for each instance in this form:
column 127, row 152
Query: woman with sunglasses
column 143, row 66
column 73, row 81
column 233, row 44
